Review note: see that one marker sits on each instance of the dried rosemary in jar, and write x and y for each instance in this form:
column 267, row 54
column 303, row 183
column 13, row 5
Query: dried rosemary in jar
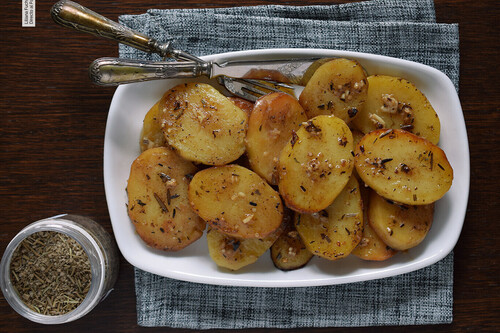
column 58, row 269
column 51, row 272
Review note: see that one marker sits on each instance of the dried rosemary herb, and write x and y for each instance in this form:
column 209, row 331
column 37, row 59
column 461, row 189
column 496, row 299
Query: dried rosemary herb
column 51, row 273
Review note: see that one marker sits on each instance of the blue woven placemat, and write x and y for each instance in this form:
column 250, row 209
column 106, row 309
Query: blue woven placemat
column 398, row 28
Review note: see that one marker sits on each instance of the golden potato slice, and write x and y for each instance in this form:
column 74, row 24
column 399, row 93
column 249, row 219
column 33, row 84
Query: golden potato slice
column 338, row 87
column 289, row 252
column 334, row 232
column 151, row 133
column 202, row 124
column 158, row 200
column 236, row 201
column 270, row 126
column 234, row 253
column 399, row 226
column 394, row 102
column 316, row 164
column 403, row 167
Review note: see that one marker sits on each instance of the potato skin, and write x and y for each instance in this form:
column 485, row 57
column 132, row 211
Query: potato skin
column 157, row 200
column 202, row 124
column 289, row 252
column 403, row 167
column 337, row 87
column 235, row 253
column 151, row 132
column 399, row 226
column 394, row 102
column 334, row 232
column 371, row 247
column 274, row 117
column 243, row 104
column 236, row 201
column 316, row 164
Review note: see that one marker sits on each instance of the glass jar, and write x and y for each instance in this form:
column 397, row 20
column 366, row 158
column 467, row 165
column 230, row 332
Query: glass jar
column 100, row 249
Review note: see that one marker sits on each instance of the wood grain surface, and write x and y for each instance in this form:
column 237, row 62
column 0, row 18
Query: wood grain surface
column 51, row 147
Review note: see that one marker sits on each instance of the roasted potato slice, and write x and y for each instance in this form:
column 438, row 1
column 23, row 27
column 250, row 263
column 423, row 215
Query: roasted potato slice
column 403, row 167
column 399, row 226
column 335, row 231
column 274, row 117
column 338, row 87
column 289, row 252
column 316, row 164
column 235, row 253
column 202, row 124
column 158, row 203
column 151, row 133
column 393, row 102
column 236, row 201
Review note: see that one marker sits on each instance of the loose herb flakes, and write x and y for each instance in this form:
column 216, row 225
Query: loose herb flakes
column 50, row 272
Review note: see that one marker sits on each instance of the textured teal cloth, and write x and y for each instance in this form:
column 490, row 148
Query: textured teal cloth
column 399, row 28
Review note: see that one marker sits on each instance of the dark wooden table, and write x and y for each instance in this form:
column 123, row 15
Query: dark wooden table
column 51, row 142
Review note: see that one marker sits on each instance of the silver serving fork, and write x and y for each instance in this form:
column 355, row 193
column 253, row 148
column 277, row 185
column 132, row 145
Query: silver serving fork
column 114, row 71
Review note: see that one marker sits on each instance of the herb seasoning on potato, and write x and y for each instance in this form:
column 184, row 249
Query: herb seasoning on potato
column 338, row 88
column 202, row 124
column 158, row 202
column 335, row 231
column 403, row 167
column 316, row 164
column 236, row 201
column 394, row 102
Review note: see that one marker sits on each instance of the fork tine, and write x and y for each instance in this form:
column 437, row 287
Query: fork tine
column 252, row 89
column 260, row 84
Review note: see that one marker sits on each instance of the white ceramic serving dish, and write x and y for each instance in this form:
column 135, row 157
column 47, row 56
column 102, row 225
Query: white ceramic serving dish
column 121, row 146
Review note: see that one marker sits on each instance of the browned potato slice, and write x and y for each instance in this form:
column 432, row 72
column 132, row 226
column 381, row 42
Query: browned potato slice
column 399, row 226
column 151, row 133
column 394, row 102
column 158, row 202
column 235, row 253
column 334, row 232
column 337, row 87
column 289, row 252
column 403, row 167
column 236, row 201
column 243, row 104
column 270, row 127
column 316, row 164
column 202, row 124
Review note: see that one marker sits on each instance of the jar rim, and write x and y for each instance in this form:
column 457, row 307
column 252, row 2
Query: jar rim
column 89, row 245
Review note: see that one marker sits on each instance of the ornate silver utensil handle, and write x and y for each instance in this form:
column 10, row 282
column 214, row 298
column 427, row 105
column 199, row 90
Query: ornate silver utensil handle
column 115, row 71
column 73, row 15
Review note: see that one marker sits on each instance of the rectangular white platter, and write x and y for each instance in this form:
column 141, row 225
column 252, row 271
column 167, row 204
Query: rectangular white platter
column 121, row 146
